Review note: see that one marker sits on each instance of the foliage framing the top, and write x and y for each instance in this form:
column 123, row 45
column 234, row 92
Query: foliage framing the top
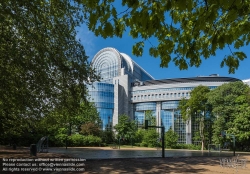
column 189, row 30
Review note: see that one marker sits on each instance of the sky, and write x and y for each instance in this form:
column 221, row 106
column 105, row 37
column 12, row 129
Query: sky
column 93, row 44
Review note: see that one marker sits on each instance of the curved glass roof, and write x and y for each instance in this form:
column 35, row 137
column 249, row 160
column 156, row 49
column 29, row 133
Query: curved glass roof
column 111, row 57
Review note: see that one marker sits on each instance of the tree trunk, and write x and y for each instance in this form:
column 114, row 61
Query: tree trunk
column 202, row 143
column 202, row 133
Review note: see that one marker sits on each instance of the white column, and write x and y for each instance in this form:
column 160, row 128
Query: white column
column 188, row 132
column 173, row 120
column 158, row 115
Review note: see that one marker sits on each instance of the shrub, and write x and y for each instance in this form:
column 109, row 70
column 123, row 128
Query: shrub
column 151, row 138
column 144, row 144
column 93, row 140
column 76, row 140
column 188, row 146
column 60, row 138
column 171, row 139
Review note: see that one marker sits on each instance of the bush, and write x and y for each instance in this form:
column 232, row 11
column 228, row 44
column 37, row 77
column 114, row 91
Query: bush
column 150, row 138
column 92, row 140
column 76, row 140
column 171, row 139
column 143, row 144
column 139, row 135
column 138, row 144
column 188, row 146
column 60, row 138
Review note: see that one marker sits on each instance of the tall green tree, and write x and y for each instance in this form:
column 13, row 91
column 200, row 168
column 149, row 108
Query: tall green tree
column 125, row 128
column 186, row 31
column 231, row 106
column 196, row 109
column 42, row 65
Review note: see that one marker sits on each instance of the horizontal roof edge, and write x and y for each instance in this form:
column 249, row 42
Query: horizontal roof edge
column 190, row 80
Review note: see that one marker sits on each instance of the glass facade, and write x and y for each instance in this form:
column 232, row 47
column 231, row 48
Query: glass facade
column 180, row 127
column 145, row 106
column 167, row 119
column 141, row 108
column 170, row 105
column 102, row 94
column 171, row 118
column 107, row 65
column 110, row 63
column 167, row 89
column 139, row 117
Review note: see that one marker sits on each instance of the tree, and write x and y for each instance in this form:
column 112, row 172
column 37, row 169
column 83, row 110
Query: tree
column 150, row 138
column 87, row 114
column 231, row 107
column 42, row 65
column 125, row 128
column 196, row 109
column 185, row 31
column 85, row 121
column 171, row 138
column 90, row 129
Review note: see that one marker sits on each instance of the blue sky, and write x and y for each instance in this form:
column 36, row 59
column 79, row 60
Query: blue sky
column 93, row 44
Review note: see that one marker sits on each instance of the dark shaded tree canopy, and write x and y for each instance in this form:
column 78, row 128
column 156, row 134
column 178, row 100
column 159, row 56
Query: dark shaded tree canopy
column 42, row 65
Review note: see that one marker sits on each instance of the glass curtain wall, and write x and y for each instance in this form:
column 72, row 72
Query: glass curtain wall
column 180, row 127
column 141, row 108
column 102, row 94
column 171, row 118
column 167, row 119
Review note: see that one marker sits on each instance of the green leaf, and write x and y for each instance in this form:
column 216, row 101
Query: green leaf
column 240, row 55
column 138, row 48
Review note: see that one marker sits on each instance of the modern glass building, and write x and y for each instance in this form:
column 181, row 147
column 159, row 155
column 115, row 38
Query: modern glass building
column 165, row 95
column 125, row 88
column 112, row 94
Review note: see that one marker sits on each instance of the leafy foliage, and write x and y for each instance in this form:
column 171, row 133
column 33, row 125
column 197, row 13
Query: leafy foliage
column 90, row 129
column 42, row 65
column 77, row 140
column 85, row 121
column 188, row 146
column 87, row 113
column 188, row 31
column 196, row 109
column 139, row 135
column 107, row 136
column 150, row 138
column 171, row 138
column 125, row 128
column 231, row 106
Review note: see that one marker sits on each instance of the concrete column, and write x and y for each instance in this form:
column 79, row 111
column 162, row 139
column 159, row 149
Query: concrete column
column 158, row 116
column 188, row 132
column 173, row 120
